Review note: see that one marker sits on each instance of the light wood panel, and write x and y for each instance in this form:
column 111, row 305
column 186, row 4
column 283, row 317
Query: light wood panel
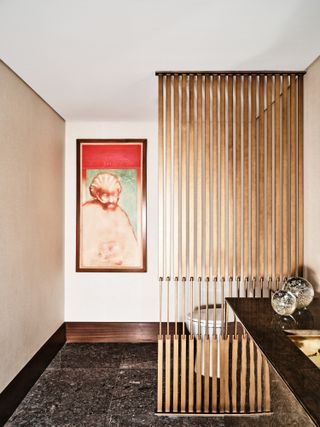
column 206, row 374
column 215, row 223
column 184, row 180
column 167, row 198
column 262, row 212
column 285, row 184
column 214, row 385
column 300, row 176
column 199, row 375
column 254, row 181
column 278, row 224
column 199, row 210
column 246, row 199
column 234, row 382
column 160, row 375
column 160, row 176
column 207, row 221
column 238, row 145
column 176, row 168
column 252, row 378
column 192, row 174
column 183, row 393
column 168, row 374
column 191, row 375
column 175, row 373
column 270, row 240
column 243, row 375
column 222, row 219
column 231, row 236
column 293, row 171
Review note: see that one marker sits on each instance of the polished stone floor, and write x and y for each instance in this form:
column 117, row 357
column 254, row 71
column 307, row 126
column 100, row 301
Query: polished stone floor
column 115, row 385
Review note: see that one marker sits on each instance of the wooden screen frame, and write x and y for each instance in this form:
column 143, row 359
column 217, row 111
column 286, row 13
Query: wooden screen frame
column 143, row 143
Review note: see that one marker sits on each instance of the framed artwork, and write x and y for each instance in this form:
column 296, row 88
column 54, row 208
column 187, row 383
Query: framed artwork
column 111, row 205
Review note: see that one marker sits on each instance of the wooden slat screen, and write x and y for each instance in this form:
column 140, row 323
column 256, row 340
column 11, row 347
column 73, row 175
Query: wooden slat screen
column 230, row 224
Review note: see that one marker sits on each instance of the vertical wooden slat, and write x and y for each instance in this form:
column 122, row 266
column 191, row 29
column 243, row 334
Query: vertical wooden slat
column 269, row 172
column 168, row 374
column 293, row 171
column 238, row 176
column 234, row 385
column 252, row 380
column 230, row 176
column 259, row 381
column 199, row 376
column 168, row 177
column 199, row 177
column 199, row 238
column 222, row 178
column 184, row 176
column 183, row 388
column 261, row 177
column 277, row 178
column 160, row 174
column 160, row 375
column 266, row 375
column 222, row 405
column 226, row 372
column 183, row 253
column 161, row 238
column 245, row 178
column 207, row 231
column 243, row 375
column 191, row 375
column 176, row 177
column 300, row 175
column 206, row 374
column 215, row 174
column 192, row 242
column 175, row 373
column 285, row 189
column 214, row 388
column 254, row 186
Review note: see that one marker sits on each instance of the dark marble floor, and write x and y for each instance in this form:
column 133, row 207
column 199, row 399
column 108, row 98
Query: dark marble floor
column 115, row 385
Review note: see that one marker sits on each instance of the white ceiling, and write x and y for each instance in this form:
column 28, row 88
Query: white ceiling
column 95, row 59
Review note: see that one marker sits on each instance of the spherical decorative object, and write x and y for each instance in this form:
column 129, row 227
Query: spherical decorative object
column 284, row 303
column 301, row 289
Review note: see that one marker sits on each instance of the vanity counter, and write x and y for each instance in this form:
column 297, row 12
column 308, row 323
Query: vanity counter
column 267, row 330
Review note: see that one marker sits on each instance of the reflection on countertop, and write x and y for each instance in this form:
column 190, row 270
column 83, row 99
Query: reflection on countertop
column 267, row 329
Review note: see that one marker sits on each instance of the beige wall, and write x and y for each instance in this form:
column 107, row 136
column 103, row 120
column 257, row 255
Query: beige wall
column 312, row 173
column 31, row 223
column 111, row 297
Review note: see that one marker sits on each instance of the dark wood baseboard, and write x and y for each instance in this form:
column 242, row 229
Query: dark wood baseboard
column 114, row 332
column 15, row 392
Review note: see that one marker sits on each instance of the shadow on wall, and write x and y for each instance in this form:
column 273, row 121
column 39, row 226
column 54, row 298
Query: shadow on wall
column 313, row 278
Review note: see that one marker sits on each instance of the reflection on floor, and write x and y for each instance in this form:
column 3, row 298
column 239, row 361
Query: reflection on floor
column 115, row 385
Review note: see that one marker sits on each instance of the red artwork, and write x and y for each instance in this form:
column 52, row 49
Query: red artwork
column 111, row 205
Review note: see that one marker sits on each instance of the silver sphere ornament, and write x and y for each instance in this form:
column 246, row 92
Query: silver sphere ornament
column 283, row 302
column 301, row 289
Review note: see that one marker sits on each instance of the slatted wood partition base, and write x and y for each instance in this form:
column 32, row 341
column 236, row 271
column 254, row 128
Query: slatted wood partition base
column 243, row 386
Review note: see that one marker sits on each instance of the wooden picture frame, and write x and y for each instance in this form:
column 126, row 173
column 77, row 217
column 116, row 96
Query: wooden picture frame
column 111, row 205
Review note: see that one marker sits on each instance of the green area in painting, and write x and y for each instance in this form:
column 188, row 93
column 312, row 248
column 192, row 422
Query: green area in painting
column 129, row 195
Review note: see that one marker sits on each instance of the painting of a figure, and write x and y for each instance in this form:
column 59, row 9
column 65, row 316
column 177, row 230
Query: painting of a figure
column 111, row 205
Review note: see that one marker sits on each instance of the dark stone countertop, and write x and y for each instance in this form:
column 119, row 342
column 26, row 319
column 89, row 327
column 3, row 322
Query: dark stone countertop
column 267, row 330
